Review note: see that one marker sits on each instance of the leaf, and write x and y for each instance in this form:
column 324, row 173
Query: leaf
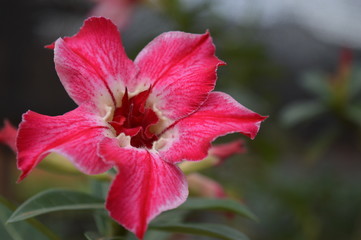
column 5, row 212
column 55, row 200
column 355, row 83
column 131, row 236
column 174, row 216
column 228, row 205
column 353, row 113
column 3, row 232
column 96, row 236
column 156, row 235
column 317, row 83
column 102, row 221
column 300, row 112
column 101, row 217
column 21, row 230
column 320, row 143
column 202, row 229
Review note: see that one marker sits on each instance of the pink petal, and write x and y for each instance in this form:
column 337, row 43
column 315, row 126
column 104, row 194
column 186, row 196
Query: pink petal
column 144, row 187
column 226, row 150
column 75, row 135
column 203, row 186
column 181, row 67
column 118, row 11
column 93, row 66
column 8, row 135
column 190, row 138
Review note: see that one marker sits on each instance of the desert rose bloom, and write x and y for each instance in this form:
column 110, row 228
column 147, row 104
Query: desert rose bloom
column 204, row 186
column 118, row 11
column 201, row 185
column 217, row 154
column 142, row 117
column 226, row 150
column 8, row 135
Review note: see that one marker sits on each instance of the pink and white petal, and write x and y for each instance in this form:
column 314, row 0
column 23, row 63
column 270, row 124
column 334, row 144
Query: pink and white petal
column 93, row 66
column 75, row 135
column 190, row 138
column 8, row 135
column 144, row 187
column 181, row 67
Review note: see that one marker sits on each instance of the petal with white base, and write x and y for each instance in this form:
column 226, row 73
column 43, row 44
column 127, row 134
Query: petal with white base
column 191, row 137
column 75, row 135
column 144, row 187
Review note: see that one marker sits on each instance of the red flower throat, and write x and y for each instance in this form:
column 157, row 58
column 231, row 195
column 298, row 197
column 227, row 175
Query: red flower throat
column 134, row 120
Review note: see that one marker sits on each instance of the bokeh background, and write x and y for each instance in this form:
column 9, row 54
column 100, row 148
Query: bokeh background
column 296, row 61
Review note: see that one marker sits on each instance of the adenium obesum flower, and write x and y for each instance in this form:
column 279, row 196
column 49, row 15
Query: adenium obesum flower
column 118, row 11
column 142, row 117
column 8, row 135
column 226, row 150
column 201, row 185
column 217, row 154
column 204, row 186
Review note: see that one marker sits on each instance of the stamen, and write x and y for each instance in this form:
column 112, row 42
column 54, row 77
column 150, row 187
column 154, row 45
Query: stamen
column 135, row 120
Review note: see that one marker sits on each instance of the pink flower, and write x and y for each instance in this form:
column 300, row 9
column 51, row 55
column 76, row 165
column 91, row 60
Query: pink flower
column 226, row 150
column 142, row 117
column 201, row 185
column 8, row 135
column 205, row 186
column 217, row 154
column 119, row 11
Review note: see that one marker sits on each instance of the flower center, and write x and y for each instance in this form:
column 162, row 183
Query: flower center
column 134, row 120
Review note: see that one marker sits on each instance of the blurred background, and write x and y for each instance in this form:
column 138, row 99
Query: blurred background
column 296, row 61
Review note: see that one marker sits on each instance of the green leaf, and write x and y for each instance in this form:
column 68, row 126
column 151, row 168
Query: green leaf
column 21, row 230
column 355, row 83
column 202, row 229
column 353, row 113
column 152, row 235
column 318, row 83
column 102, row 221
column 131, row 236
column 96, row 236
column 218, row 204
column 300, row 112
column 174, row 216
column 101, row 217
column 320, row 143
column 55, row 200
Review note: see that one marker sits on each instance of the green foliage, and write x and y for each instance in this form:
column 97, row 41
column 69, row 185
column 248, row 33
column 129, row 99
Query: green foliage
column 317, row 84
column 95, row 236
column 202, row 229
column 299, row 112
column 171, row 221
column 55, row 200
column 226, row 205
column 334, row 111
column 21, row 230
column 354, row 86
